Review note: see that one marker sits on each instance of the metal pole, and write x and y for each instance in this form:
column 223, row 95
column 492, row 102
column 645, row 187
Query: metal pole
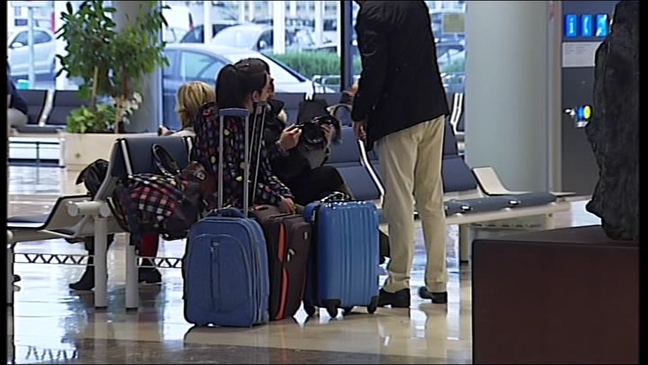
column 319, row 23
column 251, row 9
column 346, row 24
column 100, row 261
column 293, row 9
column 207, row 22
column 132, row 295
column 241, row 11
column 10, row 275
column 279, row 26
column 30, row 44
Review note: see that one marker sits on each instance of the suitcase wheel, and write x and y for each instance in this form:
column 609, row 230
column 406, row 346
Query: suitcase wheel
column 332, row 306
column 309, row 308
column 332, row 310
column 347, row 310
column 373, row 306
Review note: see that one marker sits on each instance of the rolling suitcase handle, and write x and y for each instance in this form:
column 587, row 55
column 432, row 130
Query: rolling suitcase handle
column 245, row 115
column 260, row 109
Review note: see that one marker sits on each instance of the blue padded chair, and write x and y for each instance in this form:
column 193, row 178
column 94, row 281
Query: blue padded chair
column 345, row 156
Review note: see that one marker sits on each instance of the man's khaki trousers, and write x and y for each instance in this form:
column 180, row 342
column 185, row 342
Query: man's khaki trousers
column 411, row 168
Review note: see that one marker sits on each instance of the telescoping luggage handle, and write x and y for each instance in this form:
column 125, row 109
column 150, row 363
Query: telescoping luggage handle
column 245, row 115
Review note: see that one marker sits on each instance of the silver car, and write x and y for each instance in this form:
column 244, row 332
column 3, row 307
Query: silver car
column 202, row 62
column 44, row 51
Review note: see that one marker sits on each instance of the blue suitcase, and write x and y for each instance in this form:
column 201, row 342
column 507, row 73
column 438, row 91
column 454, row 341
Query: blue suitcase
column 226, row 272
column 345, row 257
column 226, row 261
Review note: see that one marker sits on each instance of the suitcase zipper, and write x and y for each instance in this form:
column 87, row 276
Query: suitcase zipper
column 258, row 293
column 283, row 246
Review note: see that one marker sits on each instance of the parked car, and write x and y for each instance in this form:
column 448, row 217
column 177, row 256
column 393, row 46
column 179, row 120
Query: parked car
column 44, row 51
column 197, row 34
column 332, row 48
column 289, row 21
column 202, row 62
column 447, row 52
column 329, row 26
column 260, row 38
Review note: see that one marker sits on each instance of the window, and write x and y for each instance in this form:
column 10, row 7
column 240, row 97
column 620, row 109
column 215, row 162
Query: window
column 209, row 73
column 447, row 22
column 22, row 38
column 243, row 29
column 41, row 37
column 171, row 56
column 193, row 66
column 240, row 36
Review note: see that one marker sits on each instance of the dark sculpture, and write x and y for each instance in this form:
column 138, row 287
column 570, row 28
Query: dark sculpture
column 614, row 128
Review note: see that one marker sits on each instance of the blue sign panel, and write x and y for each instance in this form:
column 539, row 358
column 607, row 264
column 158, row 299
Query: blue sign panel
column 571, row 25
column 602, row 25
column 587, row 25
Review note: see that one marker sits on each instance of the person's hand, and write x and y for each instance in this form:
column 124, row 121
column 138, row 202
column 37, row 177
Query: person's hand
column 289, row 138
column 360, row 129
column 163, row 131
column 328, row 133
column 287, row 205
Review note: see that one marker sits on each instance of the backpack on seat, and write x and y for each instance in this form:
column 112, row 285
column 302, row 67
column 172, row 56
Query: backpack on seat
column 92, row 176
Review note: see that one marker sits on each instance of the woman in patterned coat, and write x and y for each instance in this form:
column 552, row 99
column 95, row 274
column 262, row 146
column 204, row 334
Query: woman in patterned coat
column 239, row 86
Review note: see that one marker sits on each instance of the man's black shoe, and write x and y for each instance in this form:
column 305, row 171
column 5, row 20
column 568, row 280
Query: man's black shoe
column 399, row 299
column 437, row 298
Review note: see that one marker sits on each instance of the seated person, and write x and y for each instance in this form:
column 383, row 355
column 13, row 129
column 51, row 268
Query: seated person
column 308, row 185
column 17, row 106
column 348, row 95
column 238, row 86
column 190, row 97
column 292, row 168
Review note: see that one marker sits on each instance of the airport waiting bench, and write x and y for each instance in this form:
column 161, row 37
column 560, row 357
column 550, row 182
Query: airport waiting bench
column 48, row 111
column 80, row 216
column 471, row 195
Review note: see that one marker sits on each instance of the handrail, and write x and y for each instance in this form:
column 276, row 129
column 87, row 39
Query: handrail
column 88, row 208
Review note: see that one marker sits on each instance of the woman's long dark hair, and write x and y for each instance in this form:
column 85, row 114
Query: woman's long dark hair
column 235, row 83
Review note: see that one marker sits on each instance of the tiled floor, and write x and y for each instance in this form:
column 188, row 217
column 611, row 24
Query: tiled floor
column 51, row 324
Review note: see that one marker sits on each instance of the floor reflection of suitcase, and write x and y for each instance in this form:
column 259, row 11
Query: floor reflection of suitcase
column 345, row 257
column 288, row 238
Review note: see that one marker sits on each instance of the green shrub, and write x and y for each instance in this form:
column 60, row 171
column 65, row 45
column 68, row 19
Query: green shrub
column 310, row 64
column 88, row 120
column 457, row 66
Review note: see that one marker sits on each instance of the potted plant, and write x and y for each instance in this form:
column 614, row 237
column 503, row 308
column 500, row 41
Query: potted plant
column 110, row 63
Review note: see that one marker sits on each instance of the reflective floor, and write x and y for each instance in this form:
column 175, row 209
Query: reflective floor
column 49, row 323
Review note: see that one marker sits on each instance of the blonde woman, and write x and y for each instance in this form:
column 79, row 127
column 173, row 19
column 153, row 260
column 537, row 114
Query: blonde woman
column 191, row 96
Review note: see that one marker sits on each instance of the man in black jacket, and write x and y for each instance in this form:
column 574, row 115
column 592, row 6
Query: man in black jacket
column 401, row 107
